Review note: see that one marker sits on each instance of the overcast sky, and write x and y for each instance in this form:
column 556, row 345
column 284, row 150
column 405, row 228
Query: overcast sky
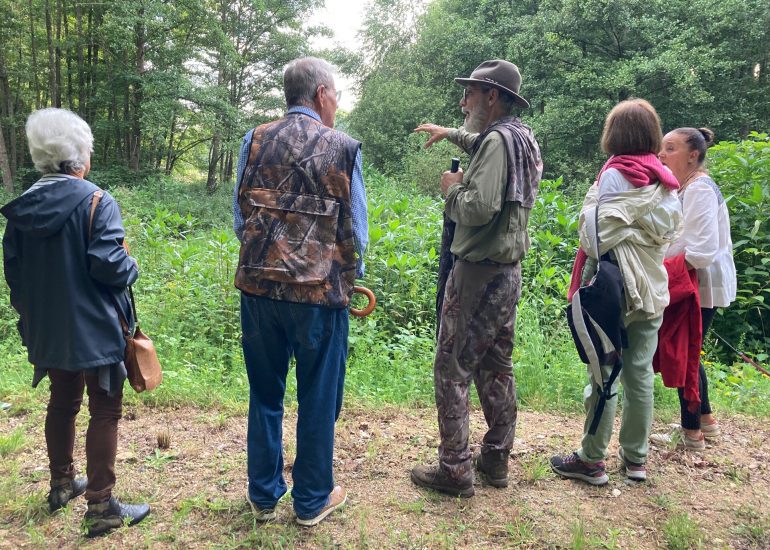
column 344, row 17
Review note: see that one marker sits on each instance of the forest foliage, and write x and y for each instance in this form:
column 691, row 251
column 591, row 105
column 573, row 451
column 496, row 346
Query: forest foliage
column 170, row 87
column 699, row 62
column 165, row 85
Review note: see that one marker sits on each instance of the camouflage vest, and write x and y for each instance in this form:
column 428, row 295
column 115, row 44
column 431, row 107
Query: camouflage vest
column 295, row 200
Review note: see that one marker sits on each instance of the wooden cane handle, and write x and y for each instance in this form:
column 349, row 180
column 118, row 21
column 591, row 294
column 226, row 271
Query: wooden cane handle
column 369, row 307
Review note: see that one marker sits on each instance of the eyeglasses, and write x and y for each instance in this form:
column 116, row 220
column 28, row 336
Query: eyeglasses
column 467, row 92
column 337, row 94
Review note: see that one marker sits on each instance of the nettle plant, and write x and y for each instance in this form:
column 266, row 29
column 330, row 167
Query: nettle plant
column 742, row 171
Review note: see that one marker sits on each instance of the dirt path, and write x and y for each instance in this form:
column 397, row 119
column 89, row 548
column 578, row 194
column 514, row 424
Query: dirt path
column 197, row 487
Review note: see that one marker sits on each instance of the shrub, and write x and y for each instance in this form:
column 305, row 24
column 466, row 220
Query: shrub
column 742, row 170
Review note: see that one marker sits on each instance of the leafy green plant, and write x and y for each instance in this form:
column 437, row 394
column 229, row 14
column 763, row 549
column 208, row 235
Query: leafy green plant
column 742, row 170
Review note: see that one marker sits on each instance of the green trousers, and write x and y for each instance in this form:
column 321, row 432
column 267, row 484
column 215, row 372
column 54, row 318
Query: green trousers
column 638, row 380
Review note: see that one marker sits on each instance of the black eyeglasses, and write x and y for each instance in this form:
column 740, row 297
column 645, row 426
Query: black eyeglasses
column 467, row 91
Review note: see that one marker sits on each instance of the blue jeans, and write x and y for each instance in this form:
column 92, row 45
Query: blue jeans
column 317, row 337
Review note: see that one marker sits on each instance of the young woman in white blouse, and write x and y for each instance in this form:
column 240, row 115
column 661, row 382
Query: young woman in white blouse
column 705, row 241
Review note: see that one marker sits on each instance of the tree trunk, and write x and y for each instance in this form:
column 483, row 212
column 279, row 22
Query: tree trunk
column 170, row 152
column 53, row 85
column 7, row 110
column 214, row 154
column 57, row 54
column 138, row 93
column 68, row 58
column 4, row 165
column 79, row 46
column 35, row 84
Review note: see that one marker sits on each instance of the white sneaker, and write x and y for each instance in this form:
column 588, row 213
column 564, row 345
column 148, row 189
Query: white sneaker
column 678, row 438
column 261, row 514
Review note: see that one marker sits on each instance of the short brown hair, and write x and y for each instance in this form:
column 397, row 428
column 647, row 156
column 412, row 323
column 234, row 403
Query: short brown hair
column 632, row 127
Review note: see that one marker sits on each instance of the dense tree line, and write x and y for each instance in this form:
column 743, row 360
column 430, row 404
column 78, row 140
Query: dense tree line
column 700, row 62
column 166, row 84
column 159, row 81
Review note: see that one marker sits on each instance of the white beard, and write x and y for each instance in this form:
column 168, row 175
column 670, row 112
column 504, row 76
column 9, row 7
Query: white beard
column 476, row 122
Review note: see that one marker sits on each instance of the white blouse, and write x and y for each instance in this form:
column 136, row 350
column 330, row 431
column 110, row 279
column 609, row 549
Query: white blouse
column 705, row 241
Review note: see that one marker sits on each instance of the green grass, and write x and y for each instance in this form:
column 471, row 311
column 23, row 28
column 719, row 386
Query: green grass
column 11, row 443
column 682, row 533
column 188, row 305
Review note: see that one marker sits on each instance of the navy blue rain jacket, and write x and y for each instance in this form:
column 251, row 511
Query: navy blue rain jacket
column 62, row 284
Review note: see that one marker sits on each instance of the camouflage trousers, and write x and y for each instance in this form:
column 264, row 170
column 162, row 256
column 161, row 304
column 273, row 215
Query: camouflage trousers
column 475, row 342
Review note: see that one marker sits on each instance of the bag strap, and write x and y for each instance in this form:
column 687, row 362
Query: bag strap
column 97, row 197
column 598, row 241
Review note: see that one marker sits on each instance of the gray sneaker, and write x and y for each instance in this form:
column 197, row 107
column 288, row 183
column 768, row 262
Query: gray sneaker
column 573, row 467
column 634, row 471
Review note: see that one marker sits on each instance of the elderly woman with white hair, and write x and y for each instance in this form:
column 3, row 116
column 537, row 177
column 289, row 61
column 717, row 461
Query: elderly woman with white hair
column 67, row 273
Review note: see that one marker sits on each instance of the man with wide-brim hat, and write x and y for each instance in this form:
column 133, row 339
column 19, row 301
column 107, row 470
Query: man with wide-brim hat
column 488, row 206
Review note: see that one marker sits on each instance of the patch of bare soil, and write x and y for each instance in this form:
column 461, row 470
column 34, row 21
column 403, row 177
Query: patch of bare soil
column 196, row 488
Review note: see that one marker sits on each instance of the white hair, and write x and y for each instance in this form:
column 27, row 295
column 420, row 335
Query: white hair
column 302, row 77
column 59, row 140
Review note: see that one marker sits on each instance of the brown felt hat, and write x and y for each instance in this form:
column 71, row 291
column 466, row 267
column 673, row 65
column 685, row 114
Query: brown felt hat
column 500, row 74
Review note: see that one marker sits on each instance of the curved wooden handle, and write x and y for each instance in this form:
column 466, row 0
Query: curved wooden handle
column 369, row 307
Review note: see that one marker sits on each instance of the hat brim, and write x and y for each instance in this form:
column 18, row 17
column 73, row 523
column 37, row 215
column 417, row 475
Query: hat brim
column 520, row 101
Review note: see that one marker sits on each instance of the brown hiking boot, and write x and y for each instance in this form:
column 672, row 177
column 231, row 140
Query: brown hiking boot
column 492, row 465
column 434, row 477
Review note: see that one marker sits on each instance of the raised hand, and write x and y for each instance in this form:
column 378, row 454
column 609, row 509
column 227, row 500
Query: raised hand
column 437, row 133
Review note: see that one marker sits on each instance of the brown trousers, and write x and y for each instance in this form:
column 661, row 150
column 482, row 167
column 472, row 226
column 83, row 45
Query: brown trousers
column 475, row 343
column 101, row 437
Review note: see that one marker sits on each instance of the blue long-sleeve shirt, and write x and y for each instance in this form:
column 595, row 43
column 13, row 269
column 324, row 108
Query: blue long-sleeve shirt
column 357, row 195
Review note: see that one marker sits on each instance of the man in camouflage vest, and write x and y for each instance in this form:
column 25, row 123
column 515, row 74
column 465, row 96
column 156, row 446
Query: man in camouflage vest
column 300, row 212
column 489, row 205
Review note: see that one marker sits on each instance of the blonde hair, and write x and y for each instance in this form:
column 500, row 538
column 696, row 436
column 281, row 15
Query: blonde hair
column 59, row 140
column 632, row 127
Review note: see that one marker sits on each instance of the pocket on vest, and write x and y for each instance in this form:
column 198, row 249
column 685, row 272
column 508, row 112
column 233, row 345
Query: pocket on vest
column 291, row 236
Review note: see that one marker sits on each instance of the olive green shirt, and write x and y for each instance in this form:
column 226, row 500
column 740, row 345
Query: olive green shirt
column 488, row 228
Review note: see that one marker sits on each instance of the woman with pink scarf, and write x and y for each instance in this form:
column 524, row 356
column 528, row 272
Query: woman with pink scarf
column 629, row 217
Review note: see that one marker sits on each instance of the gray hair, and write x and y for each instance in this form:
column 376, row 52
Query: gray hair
column 59, row 140
column 302, row 77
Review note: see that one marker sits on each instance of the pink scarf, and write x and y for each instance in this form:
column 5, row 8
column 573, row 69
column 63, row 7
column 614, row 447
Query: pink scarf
column 640, row 171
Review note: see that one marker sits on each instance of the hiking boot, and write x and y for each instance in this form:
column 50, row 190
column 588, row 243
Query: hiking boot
column 492, row 467
column 634, row 470
column 261, row 514
column 104, row 516
column 711, row 431
column 434, row 477
column 679, row 438
column 337, row 498
column 64, row 490
column 573, row 467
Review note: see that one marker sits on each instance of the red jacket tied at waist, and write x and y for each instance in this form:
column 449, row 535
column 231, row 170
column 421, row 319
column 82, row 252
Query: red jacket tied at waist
column 679, row 338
